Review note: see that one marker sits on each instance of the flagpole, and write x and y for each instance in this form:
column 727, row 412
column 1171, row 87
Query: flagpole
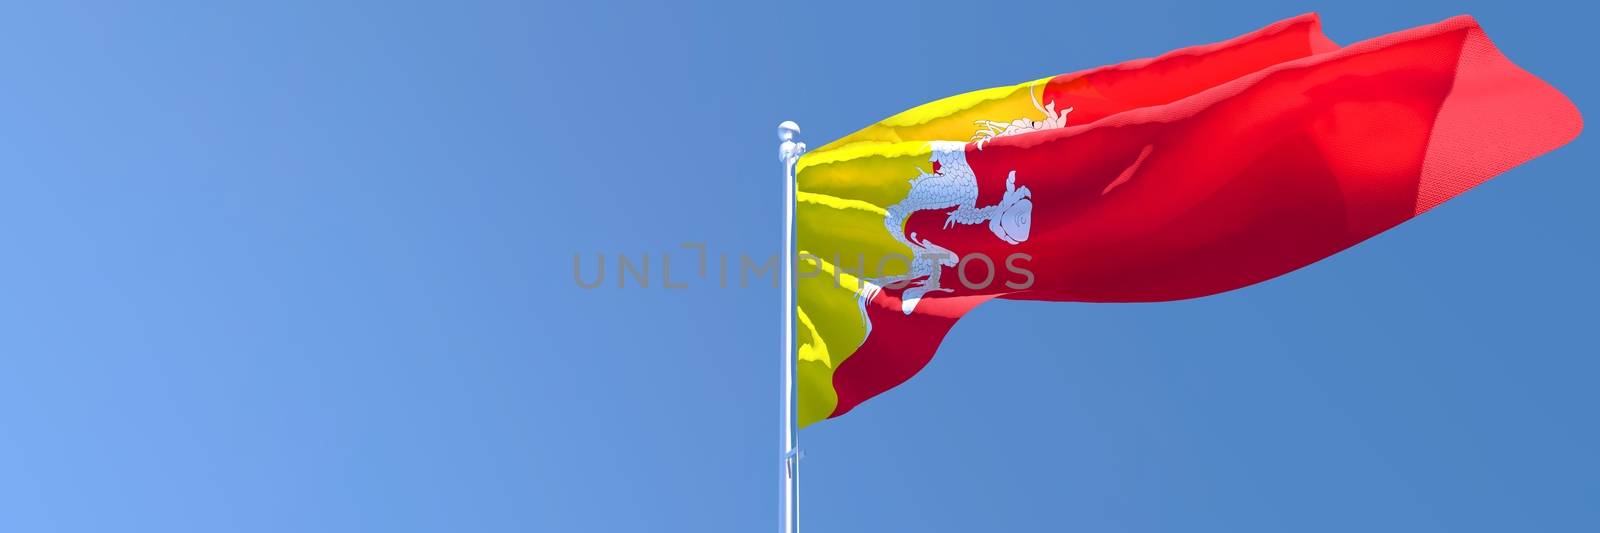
column 789, row 152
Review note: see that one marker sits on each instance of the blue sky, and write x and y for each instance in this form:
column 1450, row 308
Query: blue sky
column 307, row 267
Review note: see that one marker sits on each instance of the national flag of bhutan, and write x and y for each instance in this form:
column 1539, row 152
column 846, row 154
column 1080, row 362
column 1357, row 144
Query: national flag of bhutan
column 1196, row 172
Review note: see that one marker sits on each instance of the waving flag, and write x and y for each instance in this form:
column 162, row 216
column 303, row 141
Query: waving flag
column 1197, row 172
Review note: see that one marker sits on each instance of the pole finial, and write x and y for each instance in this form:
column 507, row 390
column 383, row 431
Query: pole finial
column 791, row 148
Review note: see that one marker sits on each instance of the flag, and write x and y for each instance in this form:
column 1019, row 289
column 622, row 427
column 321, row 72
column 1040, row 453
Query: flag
column 1200, row 171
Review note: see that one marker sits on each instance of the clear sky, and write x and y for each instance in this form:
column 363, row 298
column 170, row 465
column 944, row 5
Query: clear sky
column 307, row 266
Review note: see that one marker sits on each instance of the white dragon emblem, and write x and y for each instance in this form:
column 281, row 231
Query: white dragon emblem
column 953, row 184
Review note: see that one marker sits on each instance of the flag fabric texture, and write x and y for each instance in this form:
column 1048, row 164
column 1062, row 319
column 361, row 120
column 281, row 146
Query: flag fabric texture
column 1200, row 171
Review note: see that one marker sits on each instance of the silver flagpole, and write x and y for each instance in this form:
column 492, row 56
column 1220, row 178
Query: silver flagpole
column 789, row 151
